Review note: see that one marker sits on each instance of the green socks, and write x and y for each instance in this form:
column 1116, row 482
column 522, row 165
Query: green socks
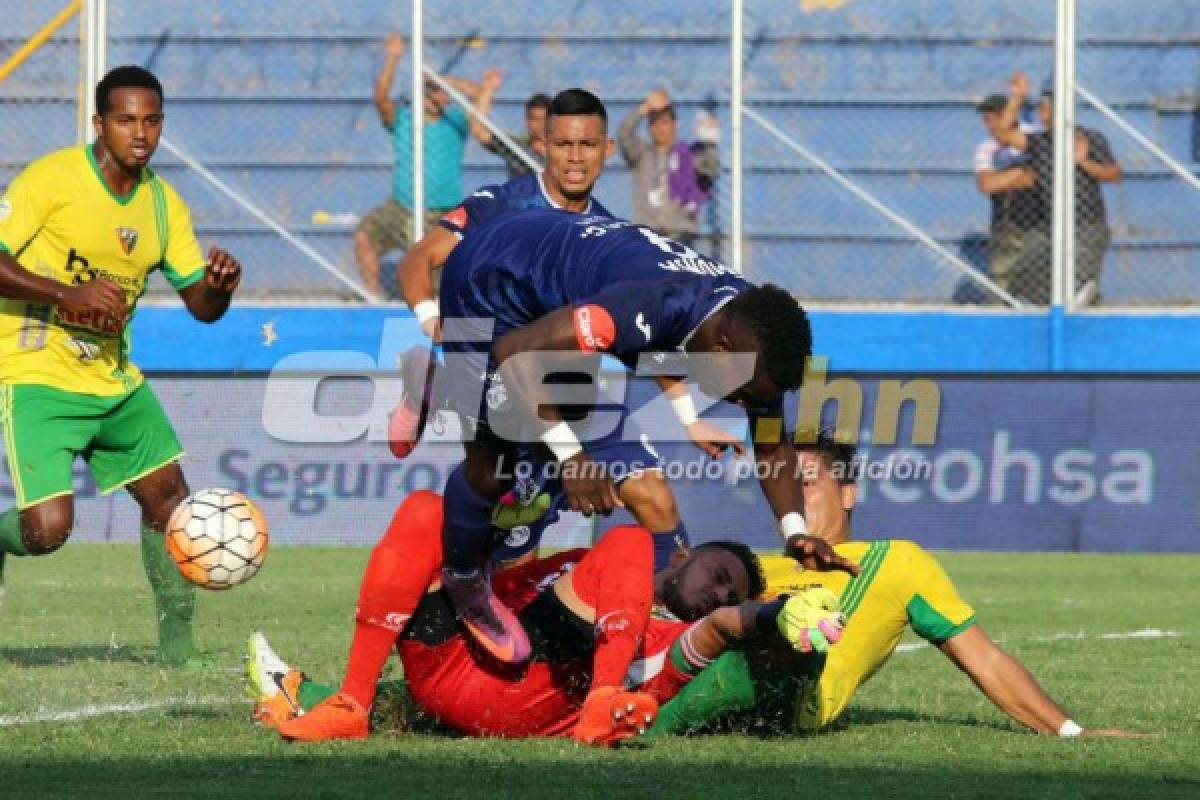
column 10, row 534
column 723, row 687
column 174, row 598
column 311, row 693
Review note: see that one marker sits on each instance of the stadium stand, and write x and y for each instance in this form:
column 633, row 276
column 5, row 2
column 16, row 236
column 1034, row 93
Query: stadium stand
column 278, row 103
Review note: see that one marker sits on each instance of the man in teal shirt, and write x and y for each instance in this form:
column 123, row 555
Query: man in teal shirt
column 389, row 225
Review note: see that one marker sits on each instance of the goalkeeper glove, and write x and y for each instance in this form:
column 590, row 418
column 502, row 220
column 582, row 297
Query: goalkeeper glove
column 811, row 620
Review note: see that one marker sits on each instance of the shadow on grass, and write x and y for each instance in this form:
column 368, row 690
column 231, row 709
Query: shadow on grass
column 500, row 773
column 52, row 656
column 855, row 717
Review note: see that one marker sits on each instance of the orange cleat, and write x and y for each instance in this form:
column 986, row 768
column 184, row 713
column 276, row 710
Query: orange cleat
column 337, row 717
column 611, row 715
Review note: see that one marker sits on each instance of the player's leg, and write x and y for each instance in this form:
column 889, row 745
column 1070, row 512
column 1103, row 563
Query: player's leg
column 137, row 449
column 401, row 567
column 472, row 491
column 43, row 430
column 636, row 467
column 616, row 580
column 158, row 494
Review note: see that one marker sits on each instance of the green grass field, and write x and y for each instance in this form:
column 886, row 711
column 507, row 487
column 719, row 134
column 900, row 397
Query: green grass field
column 84, row 712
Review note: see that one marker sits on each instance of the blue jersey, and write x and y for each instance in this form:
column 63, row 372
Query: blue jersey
column 645, row 293
column 520, row 194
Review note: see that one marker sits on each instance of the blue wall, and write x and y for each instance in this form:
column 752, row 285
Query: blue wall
column 168, row 340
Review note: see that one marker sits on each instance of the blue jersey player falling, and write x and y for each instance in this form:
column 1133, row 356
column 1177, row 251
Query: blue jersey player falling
column 546, row 292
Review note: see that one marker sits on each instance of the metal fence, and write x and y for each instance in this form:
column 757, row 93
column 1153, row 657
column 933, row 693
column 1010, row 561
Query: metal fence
column 865, row 170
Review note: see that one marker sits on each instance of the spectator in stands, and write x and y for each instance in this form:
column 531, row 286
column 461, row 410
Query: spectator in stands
column 389, row 225
column 532, row 141
column 1094, row 164
column 672, row 179
column 1002, row 173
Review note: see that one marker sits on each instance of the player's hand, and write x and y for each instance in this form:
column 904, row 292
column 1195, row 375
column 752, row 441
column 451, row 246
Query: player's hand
column 1020, row 84
column 713, row 440
column 99, row 296
column 811, row 620
column 817, row 554
column 492, row 80
column 223, row 272
column 432, row 328
column 394, row 46
column 588, row 488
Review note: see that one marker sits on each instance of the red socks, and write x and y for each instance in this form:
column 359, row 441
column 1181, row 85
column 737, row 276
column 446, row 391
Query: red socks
column 617, row 579
column 402, row 565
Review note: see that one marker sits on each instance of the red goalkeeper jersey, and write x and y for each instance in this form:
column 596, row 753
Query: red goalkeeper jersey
column 479, row 697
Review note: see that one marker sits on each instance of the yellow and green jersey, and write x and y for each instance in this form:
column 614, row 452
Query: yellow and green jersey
column 900, row 585
column 61, row 220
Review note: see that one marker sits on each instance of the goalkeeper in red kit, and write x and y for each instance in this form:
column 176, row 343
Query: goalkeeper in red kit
column 601, row 663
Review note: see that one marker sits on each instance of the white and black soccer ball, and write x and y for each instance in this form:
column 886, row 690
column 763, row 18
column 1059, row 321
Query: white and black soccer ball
column 218, row 538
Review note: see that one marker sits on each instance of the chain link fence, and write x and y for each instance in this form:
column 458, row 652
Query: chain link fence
column 875, row 167
column 41, row 84
column 1137, row 75
column 863, row 142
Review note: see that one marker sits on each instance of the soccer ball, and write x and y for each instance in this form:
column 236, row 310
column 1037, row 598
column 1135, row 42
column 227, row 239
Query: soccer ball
column 218, row 538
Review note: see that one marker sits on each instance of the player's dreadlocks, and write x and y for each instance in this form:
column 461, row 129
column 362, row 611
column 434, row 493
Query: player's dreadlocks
column 781, row 328
column 758, row 580
column 129, row 76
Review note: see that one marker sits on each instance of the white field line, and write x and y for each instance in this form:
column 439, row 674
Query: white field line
column 90, row 711
column 1144, row 633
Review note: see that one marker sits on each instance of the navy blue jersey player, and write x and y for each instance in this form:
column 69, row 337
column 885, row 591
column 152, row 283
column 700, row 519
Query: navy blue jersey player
column 544, row 292
column 577, row 145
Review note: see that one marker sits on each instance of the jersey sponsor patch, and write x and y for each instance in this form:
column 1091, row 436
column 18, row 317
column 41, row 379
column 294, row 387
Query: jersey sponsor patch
column 457, row 217
column 594, row 328
column 5, row 208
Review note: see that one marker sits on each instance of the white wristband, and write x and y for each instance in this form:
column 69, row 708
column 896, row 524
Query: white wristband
column 562, row 441
column 685, row 410
column 427, row 310
column 1069, row 728
column 793, row 524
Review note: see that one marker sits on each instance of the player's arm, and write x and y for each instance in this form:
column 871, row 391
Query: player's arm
column 522, row 356
column 100, row 295
column 416, row 276
column 1011, row 133
column 208, row 299
column 382, row 94
column 1011, row 687
column 809, row 621
column 708, row 437
column 28, row 205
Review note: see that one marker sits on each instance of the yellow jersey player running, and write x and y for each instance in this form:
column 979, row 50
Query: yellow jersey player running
column 81, row 230
column 899, row 585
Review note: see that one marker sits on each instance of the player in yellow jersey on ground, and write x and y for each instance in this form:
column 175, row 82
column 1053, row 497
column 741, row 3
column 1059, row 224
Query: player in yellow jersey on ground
column 81, row 230
column 899, row 585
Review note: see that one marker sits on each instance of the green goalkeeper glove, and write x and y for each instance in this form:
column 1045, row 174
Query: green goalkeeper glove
column 811, row 620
